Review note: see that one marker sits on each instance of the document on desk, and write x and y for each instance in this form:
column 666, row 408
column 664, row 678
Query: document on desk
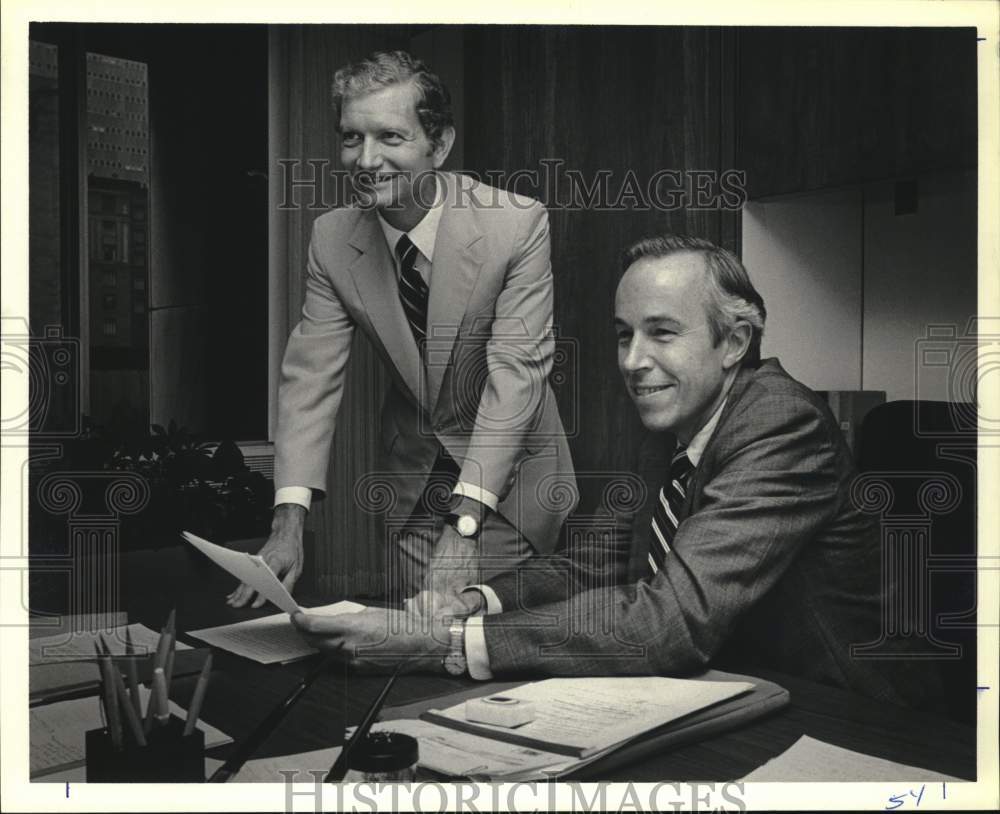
column 248, row 568
column 444, row 751
column 306, row 767
column 58, row 732
column 460, row 754
column 269, row 639
column 581, row 717
column 79, row 646
column 812, row 760
column 64, row 662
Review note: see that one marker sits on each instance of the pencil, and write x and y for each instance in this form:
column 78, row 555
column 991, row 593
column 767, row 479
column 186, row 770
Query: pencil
column 110, row 699
column 162, row 646
column 133, row 675
column 130, row 714
column 162, row 713
column 194, row 710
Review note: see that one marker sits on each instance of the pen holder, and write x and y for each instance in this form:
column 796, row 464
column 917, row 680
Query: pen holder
column 168, row 756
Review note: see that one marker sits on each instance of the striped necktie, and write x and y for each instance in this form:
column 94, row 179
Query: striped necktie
column 669, row 503
column 413, row 291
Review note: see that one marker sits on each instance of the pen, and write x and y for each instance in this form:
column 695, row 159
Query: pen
column 194, row 709
column 265, row 727
column 162, row 713
column 339, row 767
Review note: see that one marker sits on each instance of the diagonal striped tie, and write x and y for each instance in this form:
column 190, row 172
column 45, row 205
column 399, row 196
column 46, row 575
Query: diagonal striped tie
column 413, row 291
column 669, row 503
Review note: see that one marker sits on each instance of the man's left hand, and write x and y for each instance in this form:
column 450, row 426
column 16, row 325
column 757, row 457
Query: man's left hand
column 454, row 564
column 377, row 639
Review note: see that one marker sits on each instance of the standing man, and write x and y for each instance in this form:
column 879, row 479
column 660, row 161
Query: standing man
column 452, row 283
column 748, row 550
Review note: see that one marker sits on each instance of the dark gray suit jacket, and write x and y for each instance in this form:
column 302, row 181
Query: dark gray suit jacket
column 772, row 565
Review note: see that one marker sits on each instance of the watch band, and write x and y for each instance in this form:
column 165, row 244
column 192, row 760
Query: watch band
column 454, row 661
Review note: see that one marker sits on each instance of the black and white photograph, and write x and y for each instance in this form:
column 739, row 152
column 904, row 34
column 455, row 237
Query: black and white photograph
column 540, row 408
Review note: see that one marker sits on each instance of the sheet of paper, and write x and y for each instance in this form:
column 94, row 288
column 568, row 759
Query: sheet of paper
column 460, row 754
column 248, row 568
column 57, row 732
column 442, row 750
column 809, row 759
column 73, row 646
column 591, row 714
column 269, row 639
column 268, row 769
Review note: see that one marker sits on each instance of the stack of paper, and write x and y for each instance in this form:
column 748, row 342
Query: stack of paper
column 578, row 720
column 269, row 639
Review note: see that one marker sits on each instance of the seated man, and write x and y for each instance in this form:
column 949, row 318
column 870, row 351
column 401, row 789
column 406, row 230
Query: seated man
column 748, row 551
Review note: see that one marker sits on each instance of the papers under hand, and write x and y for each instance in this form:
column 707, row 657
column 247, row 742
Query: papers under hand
column 579, row 717
column 248, row 568
column 270, row 639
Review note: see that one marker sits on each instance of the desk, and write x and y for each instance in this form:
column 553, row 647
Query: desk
column 242, row 692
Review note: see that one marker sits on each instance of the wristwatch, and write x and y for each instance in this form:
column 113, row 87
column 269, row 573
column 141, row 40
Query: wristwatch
column 467, row 525
column 454, row 660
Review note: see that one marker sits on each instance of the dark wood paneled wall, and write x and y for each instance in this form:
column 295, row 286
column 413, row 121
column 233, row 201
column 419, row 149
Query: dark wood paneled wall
column 824, row 107
column 346, row 553
column 613, row 100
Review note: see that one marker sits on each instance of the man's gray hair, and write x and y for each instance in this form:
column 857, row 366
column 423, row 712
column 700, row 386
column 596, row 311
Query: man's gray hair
column 381, row 69
column 731, row 296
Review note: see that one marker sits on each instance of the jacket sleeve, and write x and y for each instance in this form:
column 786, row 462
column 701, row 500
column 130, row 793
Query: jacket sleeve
column 776, row 486
column 518, row 360
column 312, row 381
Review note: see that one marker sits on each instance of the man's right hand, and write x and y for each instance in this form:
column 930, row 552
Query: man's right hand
column 282, row 552
column 432, row 604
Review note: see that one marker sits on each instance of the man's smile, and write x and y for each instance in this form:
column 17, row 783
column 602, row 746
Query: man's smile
column 644, row 390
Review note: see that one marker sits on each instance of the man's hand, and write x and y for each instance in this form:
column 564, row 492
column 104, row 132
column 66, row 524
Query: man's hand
column 456, row 605
column 454, row 565
column 377, row 639
column 282, row 552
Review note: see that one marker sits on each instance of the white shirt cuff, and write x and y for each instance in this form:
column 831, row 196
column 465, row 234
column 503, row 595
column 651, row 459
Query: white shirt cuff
column 476, row 654
column 300, row 495
column 484, row 496
column 492, row 603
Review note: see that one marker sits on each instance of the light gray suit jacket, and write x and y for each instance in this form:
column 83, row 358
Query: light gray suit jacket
column 483, row 394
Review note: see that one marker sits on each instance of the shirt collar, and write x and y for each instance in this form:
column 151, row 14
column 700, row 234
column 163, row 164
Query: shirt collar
column 424, row 234
column 698, row 443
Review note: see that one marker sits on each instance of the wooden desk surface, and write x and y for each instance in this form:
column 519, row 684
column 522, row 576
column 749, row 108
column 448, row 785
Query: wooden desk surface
column 242, row 692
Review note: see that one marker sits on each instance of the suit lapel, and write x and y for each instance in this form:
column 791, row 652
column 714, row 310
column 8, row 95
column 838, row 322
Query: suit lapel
column 455, row 270
column 374, row 275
